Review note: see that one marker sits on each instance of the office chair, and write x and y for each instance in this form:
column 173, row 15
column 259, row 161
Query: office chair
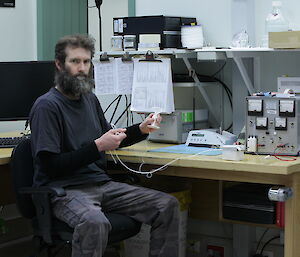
column 34, row 203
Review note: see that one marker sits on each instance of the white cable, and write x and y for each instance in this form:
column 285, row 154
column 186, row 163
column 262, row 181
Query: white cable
column 149, row 173
column 115, row 161
column 141, row 165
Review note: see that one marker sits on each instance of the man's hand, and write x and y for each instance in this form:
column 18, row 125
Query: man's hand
column 111, row 140
column 148, row 121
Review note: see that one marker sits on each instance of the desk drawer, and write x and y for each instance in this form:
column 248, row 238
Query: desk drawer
column 249, row 202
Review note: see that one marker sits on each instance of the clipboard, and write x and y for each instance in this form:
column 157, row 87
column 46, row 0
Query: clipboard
column 113, row 75
column 149, row 57
column 126, row 57
column 152, row 85
column 104, row 57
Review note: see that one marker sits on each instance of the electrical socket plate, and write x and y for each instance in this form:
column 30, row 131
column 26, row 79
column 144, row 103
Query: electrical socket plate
column 216, row 250
column 194, row 246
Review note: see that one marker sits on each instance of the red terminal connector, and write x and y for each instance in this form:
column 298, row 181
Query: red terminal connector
column 281, row 145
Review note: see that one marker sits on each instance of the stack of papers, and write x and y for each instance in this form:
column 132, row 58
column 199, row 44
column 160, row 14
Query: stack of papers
column 149, row 82
column 188, row 150
column 152, row 87
column 113, row 77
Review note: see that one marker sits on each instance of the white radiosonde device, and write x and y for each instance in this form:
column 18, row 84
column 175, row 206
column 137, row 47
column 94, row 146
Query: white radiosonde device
column 272, row 125
column 174, row 127
column 209, row 138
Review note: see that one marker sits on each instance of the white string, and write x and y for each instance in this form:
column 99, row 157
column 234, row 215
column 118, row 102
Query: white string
column 150, row 172
column 115, row 161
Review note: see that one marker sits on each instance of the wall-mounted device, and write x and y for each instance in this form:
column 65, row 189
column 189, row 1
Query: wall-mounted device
column 7, row 3
column 174, row 127
column 209, row 138
column 272, row 125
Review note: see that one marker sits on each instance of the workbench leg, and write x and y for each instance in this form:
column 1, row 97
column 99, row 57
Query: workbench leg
column 243, row 240
column 292, row 220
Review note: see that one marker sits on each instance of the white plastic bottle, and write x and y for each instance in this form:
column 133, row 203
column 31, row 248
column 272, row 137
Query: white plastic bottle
column 275, row 22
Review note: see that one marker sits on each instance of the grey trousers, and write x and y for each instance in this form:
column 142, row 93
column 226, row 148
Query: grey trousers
column 83, row 206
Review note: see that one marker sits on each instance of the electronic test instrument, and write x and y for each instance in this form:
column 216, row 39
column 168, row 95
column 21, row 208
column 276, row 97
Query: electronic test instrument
column 272, row 125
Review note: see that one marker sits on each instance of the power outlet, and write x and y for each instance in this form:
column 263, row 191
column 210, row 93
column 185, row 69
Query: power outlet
column 194, row 246
column 214, row 250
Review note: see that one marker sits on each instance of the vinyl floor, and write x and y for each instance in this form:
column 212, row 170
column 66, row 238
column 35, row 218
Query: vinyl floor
column 23, row 248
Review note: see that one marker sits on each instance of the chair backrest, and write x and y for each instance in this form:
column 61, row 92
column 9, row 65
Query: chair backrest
column 22, row 169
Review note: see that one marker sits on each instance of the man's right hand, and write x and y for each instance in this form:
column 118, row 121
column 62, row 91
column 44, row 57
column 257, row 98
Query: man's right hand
column 111, row 140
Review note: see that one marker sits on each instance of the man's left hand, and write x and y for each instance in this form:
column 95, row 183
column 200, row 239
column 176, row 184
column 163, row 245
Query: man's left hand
column 148, row 121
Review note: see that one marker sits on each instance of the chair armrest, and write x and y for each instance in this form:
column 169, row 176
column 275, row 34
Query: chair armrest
column 41, row 201
column 126, row 178
column 55, row 191
column 43, row 209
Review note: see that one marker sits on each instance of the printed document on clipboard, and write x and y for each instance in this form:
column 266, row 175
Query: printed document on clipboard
column 152, row 87
column 113, row 77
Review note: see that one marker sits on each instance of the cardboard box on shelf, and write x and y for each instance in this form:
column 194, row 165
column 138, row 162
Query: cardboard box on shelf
column 285, row 39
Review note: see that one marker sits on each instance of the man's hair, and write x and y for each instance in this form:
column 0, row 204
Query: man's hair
column 73, row 41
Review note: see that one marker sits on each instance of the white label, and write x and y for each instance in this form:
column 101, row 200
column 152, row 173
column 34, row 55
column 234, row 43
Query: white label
column 128, row 44
column 116, row 26
column 271, row 105
column 120, row 25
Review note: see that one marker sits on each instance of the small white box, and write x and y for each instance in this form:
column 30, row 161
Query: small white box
column 233, row 152
column 149, row 42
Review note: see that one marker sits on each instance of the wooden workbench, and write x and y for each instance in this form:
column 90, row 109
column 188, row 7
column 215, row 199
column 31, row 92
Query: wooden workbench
column 254, row 168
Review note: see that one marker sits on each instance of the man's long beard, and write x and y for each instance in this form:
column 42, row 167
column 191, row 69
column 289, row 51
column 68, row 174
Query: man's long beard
column 74, row 85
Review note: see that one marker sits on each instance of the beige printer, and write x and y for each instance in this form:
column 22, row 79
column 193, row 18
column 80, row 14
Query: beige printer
column 175, row 127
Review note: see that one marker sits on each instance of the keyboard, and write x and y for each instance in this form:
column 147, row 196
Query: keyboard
column 10, row 142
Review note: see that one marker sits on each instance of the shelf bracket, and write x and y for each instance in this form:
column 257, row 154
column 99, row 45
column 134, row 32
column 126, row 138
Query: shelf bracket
column 244, row 74
column 202, row 91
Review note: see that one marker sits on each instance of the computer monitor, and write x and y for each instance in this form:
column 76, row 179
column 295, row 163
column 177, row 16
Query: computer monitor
column 21, row 83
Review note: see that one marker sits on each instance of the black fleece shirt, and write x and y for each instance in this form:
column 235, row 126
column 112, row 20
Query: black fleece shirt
column 62, row 137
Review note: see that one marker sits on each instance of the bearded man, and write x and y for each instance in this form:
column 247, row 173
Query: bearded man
column 69, row 137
